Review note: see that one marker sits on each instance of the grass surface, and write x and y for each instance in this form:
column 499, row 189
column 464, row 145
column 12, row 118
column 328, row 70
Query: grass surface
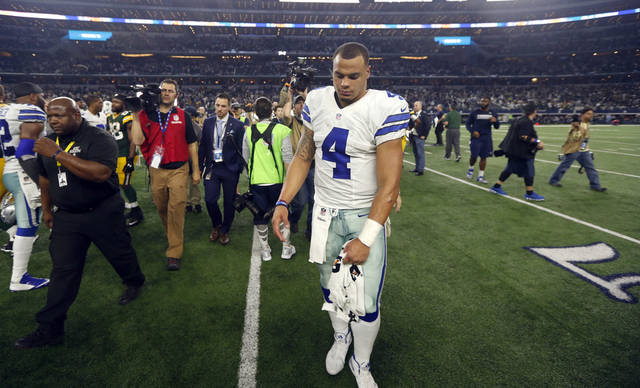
column 464, row 304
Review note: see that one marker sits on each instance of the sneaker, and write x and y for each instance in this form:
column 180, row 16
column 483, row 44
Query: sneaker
column 288, row 252
column 533, row 197
column 173, row 264
column 498, row 190
column 555, row 184
column 27, row 283
column 470, row 173
column 135, row 216
column 338, row 352
column 197, row 209
column 446, row 158
column 481, row 180
column 129, row 295
column 362, row 374
column 8, row 247
column 458, row 158
column 599, row 189
column 266, row 255
column 38, row 339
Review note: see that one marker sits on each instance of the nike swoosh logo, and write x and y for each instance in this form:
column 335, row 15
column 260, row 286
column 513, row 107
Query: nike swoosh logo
column 362, row 215
column 402, row 110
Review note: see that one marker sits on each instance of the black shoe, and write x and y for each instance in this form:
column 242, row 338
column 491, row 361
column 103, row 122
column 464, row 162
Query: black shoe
column 135, row 216
column 555, row 184
column 414, row 170
column 419, row 173
column 198, row 209
column 129, row 295
column 173, row 264
column 458, row 158
column 599, row 189
column 38, row 339
column 188, row 209
column 8, row 247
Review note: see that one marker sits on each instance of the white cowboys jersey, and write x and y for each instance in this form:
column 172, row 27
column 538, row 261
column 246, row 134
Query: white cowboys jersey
column 99, row 120
column 346, row 141
column 11, row 116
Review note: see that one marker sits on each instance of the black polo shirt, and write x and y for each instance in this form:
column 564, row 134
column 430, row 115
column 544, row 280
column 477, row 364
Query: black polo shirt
column 81, row 195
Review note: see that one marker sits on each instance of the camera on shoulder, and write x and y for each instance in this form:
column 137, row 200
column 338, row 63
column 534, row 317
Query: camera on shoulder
column 140, row 97
column 301, row 74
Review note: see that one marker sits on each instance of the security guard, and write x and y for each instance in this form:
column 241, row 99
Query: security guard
column 81, row 204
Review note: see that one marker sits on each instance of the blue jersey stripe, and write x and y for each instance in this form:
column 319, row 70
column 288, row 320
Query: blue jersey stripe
column 397, row 117
column 306, row 116
column 28, row 111
column 32, row 117
column 305, row 108
column 392, row 128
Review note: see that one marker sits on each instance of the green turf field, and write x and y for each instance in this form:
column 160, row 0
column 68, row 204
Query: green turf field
column 464, row 303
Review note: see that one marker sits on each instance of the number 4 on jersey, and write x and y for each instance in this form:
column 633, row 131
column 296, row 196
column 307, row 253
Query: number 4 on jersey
column 337, row 139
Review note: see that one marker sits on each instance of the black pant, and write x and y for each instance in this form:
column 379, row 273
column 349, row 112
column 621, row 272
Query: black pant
column 439, row 130
column 70, row 239
column 229, row 183
column 265, row 197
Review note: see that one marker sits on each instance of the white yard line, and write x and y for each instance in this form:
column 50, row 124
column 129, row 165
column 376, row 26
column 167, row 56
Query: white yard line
column 535, row 206
column 249, row 352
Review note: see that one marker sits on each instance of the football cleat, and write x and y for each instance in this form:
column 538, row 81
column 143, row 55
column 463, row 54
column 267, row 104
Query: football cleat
column 533, row 197
column 481, row 180
column 362, row 374
column 266, row 255
column 498, row 190
column 336, row 355
column 8, row 247
column 27, row 283
column 288, row 252
column 470, row 173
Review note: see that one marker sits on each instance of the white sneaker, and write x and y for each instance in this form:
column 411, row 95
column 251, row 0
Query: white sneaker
column 288, row 252
column 27, row 283
column 266, row 255
column 482, row 180
column 362, row 374
column 336, row 355
column 469, row 174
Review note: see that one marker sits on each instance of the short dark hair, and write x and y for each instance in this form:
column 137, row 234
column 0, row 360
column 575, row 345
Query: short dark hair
column 263, row 108
column 529, row 108
column 91, row 99
column 299, row 98
column 224, row 96
column 352, row 50
column 172, row 82
column 26, row 88
column 586, row 109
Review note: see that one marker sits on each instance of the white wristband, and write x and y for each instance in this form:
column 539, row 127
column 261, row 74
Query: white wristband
column 370, row 232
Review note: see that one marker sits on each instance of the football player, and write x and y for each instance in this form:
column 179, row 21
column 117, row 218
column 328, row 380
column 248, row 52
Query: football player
column 354, row 134
column 93, row 114
column 22, row 124
column 479, row 126
column 119, row 124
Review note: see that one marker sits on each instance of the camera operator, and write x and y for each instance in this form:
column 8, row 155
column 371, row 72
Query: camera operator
column 267, row 150
column 167, row 141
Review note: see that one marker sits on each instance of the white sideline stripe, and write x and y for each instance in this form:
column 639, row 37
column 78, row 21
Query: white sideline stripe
column 249, row 352
column 544, row 209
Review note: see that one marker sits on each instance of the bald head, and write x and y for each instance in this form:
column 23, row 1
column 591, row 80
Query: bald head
column 64, row 116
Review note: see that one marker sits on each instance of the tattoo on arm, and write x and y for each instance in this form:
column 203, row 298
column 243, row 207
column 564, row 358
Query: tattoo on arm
column 306, row 147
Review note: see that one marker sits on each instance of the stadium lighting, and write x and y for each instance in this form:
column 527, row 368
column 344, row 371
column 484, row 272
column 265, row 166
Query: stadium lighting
column 188, row 56
column 414, row 58
column 142, row 55
column 319, row 26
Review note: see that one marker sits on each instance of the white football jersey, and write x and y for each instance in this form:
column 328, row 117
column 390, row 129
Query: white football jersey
column 11, row 116
column 346, row 140
column 99, row 120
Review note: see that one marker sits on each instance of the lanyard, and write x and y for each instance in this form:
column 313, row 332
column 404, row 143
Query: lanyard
column 66, row 149
column 163, row 126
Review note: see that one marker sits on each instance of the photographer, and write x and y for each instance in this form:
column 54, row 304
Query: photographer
column 167, row 141
column 267, row 150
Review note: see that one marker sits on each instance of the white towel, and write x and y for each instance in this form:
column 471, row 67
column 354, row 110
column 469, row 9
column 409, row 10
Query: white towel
column 346, row 287
column 319, row 233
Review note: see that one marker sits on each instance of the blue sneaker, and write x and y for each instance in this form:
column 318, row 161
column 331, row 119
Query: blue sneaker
column 533, row 197
column 27, row 283
column 470, row 173
column 497, row 190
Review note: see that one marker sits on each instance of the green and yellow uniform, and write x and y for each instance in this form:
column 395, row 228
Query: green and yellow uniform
column 117, row 124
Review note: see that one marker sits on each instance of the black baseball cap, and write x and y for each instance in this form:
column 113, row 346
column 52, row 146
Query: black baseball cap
column 25, row 88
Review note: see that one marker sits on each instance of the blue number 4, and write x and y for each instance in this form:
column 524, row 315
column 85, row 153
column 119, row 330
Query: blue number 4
column 337, row 137
column 5, row 136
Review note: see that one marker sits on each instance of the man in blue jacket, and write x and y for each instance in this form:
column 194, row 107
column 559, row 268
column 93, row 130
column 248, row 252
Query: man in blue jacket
column 221, row 162
column 479, row 125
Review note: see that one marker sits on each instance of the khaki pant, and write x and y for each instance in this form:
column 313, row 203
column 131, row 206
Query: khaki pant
column 169, row 192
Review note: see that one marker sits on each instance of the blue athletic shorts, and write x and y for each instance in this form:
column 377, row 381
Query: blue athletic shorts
column 482, row 146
